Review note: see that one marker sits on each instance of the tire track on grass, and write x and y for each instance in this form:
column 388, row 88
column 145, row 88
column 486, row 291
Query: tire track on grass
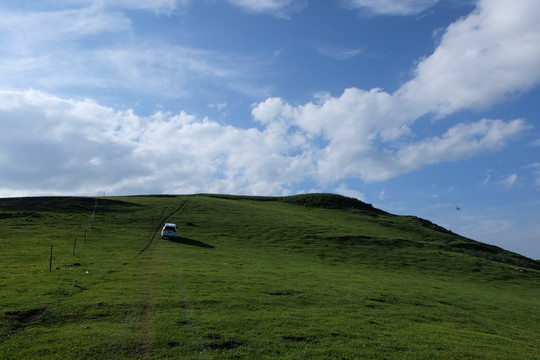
column 157, row 229
column 150, row 286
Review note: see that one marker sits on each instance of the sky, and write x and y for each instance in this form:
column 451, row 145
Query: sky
column 419, row 107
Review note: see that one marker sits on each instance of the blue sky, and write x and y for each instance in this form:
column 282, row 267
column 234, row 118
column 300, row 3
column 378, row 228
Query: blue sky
column 420, row 107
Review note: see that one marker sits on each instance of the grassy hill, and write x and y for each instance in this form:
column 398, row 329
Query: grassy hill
column 307, row 276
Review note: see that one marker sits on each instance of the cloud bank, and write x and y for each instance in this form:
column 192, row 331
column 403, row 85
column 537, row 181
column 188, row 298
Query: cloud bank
column 70, row 146
column 78, row 146
column 73, row 146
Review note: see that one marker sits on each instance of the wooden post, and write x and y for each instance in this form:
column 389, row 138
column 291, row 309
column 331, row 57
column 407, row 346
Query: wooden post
column 92, row 221
column 74, row 245
column 50, row 261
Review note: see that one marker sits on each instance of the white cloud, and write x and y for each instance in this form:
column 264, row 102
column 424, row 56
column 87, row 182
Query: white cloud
column 270, row 110
column 159, row 68
column 483, row 57
column 31, row 32
column 486, row 180
column 279, row 8
column 460, row 141
column 392, row 7
column 77, row 146
column 96, row 48
column 358, row 135
column 221, row 107
column 335, row 52
column 348, row 126
column 157, row 6
column 344, row 190
column 491, row 53
column 510, row 180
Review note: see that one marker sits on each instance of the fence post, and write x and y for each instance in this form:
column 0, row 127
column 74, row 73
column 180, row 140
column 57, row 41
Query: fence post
column 50, row 260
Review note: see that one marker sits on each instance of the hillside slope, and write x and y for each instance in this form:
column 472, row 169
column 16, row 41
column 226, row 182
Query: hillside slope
column 307, row 276
column 412, row 225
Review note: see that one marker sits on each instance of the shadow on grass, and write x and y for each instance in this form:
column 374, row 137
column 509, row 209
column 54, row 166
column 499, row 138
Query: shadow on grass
column 186, row 241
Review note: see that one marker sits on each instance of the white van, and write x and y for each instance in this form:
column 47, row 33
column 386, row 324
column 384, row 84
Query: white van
column 169, row 230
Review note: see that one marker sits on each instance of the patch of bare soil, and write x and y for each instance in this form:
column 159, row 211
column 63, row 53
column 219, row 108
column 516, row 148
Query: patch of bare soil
column 219, row 343
column 26, row 316
column 299, row 339
column 22, row 318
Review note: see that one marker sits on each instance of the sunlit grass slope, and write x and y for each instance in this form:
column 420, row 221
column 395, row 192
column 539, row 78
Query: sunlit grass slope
column 302, row 277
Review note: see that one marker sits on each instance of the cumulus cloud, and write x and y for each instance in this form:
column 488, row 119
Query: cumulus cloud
column 76, row 146
column 392, row 7
column 491, row 53
column 343, row 189
column 481, row 59
column 460, row 141
column 358, row 132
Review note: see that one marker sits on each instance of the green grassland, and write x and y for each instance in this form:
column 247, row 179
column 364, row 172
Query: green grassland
column 301, row 277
